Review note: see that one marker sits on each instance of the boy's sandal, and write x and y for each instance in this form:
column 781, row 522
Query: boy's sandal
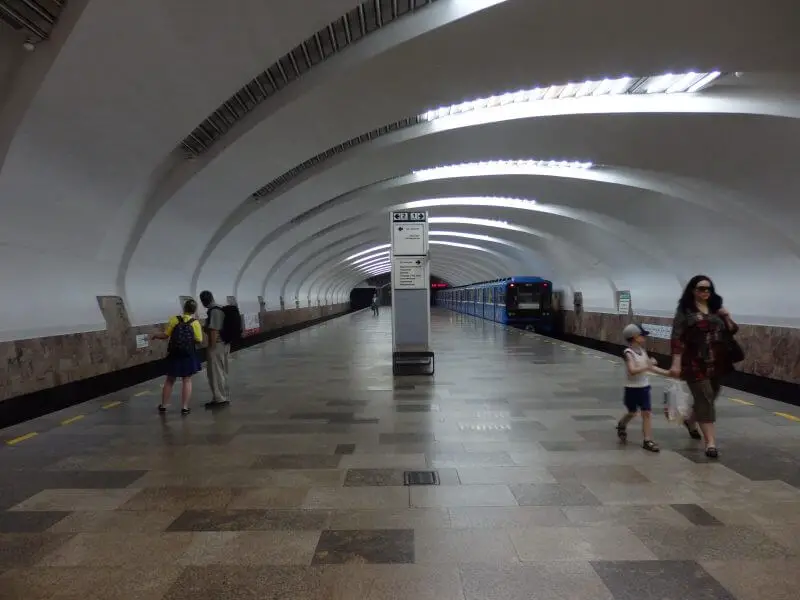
column 711, row 452
column 651, row 446
column 622, row 433
column 162, row 408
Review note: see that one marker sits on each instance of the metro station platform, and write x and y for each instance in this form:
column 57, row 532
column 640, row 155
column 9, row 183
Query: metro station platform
column 297, row 491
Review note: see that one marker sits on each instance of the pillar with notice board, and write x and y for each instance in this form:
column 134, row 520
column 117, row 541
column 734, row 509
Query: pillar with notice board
column 411, row 311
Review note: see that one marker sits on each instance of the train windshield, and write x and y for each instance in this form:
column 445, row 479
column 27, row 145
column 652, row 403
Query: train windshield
column 529, row 296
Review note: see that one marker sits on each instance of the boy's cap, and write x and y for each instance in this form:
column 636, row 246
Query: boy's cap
column 632, row 330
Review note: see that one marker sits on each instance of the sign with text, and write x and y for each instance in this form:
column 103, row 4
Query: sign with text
column 409, row 239
column 405, row 217
column 408, row 273
column 142, row 341
column 624, row 303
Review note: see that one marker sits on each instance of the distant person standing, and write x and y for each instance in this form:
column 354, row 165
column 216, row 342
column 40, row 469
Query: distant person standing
column 375, row 303
column 184, row 334
column 218, row 351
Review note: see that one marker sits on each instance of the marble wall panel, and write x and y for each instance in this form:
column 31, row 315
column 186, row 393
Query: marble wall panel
column 772, row 352
column 32, row 365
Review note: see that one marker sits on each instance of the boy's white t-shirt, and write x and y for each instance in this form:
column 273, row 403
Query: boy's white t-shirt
column 640, row 358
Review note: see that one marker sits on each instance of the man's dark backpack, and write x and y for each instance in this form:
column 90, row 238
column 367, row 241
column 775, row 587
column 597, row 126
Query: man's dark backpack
column 232, row 324
column 181, row 340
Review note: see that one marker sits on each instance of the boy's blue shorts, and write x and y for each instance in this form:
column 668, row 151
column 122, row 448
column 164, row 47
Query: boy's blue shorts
column 638, row 398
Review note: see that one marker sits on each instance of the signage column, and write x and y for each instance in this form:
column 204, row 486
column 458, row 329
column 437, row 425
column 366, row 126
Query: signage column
column 411, row 310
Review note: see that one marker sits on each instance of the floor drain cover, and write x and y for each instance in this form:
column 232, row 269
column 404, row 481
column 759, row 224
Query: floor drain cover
column 421, row 478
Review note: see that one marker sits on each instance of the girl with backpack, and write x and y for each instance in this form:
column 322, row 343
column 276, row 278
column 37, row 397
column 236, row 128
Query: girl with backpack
column 184, row 334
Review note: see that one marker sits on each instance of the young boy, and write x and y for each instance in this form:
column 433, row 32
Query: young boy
column 637, row 388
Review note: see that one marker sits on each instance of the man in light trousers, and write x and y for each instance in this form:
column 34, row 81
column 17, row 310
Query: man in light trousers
column 217, row 352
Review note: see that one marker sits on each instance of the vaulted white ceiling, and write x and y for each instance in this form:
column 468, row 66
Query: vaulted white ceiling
column 134, row 162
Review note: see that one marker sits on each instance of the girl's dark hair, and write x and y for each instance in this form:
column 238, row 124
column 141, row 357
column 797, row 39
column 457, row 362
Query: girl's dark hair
column 687, row 304
column 189, row 307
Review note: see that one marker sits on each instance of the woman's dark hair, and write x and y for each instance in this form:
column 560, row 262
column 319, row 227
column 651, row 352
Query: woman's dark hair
column 687, row 303
column 189, row 307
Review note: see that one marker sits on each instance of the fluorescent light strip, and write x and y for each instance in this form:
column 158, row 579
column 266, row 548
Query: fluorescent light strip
column 368, row 258
column 690, row 83
column 495, row 201
column 502, row 167
column 367, row 251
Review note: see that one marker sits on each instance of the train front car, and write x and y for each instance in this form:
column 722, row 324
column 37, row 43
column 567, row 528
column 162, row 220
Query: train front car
column 529, row 303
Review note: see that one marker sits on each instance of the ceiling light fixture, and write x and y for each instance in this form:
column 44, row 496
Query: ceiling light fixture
column 690, row 83
column 501, row 167
column 368, row 258
column 494, row 201
column 367, row 251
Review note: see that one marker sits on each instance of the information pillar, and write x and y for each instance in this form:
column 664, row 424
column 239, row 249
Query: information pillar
column 411, row 295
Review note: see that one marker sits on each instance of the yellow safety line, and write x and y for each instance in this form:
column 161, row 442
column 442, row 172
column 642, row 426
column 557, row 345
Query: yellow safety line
column 111, row 404
column 144, row 393
column 21, row 438
column 72, row 419
column 788, row 416
column 738, row 401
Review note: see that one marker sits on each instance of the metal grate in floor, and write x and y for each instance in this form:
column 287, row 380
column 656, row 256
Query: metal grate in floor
column 421, row 478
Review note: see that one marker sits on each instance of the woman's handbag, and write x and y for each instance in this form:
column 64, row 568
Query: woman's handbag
column 733, row 350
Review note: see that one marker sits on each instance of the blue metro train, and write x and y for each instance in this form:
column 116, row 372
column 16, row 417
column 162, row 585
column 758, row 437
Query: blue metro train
column 516, row 301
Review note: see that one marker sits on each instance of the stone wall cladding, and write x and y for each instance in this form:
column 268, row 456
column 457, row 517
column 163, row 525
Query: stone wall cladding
column 32, row 365
column 772, row 352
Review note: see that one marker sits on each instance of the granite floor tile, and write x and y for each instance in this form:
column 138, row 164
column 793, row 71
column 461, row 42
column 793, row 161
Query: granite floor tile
column 76, row 499
column 26, row 549
column 460, row 546
column 446, row 496
column 542, row 544
column 405, row 438
column 473, row 475
column 115, row 550
column 470, row 459
column 373, row 477
column 181, row 498
column 29, row 522
column 264, row 498
column 660, row 580
column 776, row 579
column 553, row 494
column 573, row 580
column 372, row 546
column 398, row 518
column 251, row 548
column 121, row 521
column 383, row 461
column 220, row 582
column 599, row 516
column 357, row 497
column 506, row 517
column 732, row 542
column 399, row 582
column 81, row 583
column 251, row 520
column 602, row 473
column 697, row 515
column 297, row 461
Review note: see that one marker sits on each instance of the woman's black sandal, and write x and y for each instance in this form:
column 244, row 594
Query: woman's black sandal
column 693, row 432
column 711, row 452
column 651, row 446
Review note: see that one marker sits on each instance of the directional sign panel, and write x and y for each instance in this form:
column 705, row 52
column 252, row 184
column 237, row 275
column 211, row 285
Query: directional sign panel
column 409, row 238
column 418, row 217
column 408, row 273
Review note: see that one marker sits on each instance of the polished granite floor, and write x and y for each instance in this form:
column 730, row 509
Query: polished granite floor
column 296, row 491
